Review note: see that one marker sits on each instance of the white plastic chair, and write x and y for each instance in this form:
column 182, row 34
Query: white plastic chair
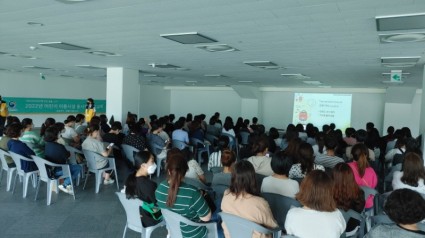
column 129, row 152
column 41, row 164
column 25, row 176
column 153, row 148
column 91, row 158
column 73, row 159
column 131, row 207
column 9, row 171
column 173, row 221
column 200, row 147
column 241, row 227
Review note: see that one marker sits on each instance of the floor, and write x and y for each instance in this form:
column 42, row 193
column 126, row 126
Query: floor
column 89, row 215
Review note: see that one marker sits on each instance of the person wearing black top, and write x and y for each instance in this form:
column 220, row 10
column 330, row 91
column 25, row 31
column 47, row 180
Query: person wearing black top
column 56, row 153
column 138, row 184
column 134, row 139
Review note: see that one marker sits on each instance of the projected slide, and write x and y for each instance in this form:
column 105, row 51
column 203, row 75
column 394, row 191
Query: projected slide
column 321, row 108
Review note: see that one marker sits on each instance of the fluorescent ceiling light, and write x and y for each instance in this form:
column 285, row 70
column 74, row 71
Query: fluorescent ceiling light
column 66, row 76
column 163, row 66
column 215, row 76
column 222, row 85
column 324, row 86
column 400, row 22
column 405, row 60
column 71, row 1
column 34, row 67
column 217, row 48
column 188, row 38
column 402, row 37
column 89, row 67
column 153, row 75
column 63, row 46
column 261, row 64
column 191, row 81
column 22, row 56
column 313, row 82
column 103, row 53
column 245, row 81
column 31, row 23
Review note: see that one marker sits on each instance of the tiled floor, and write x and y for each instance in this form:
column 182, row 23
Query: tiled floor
column 89, row 215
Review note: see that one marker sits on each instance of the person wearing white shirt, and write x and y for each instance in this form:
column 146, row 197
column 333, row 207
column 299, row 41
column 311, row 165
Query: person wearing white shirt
column 412, row 176
column 279, row 182
column 319, row 216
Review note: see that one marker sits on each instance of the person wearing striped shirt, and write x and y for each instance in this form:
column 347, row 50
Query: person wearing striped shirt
column 215, row 158
column 182, row 198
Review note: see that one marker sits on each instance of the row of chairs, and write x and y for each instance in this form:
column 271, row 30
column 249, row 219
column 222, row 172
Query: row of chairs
column 42, row 173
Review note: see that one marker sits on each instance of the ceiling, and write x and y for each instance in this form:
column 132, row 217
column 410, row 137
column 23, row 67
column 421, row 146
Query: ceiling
column 332, row 41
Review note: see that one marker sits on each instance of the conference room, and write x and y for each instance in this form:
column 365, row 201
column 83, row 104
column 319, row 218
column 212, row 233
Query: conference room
column 285, row 62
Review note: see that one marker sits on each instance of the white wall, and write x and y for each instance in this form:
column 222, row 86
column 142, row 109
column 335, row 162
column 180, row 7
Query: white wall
column 400, row 115
column 205, row 100
column 154, row 100
column 30, row 85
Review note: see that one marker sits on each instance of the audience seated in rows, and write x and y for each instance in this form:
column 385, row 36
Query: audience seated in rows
column 406, row 208
column 279, row 182
column 243, row 199
column 306, row 162
column 319, row 216
column 182, row 198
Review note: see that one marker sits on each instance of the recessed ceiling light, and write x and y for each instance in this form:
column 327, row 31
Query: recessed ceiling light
column 406, row 59
column 402, row 37
column 71, row 1
column 215, row 76
column 324, row 86
column 400, row 22
column 245, row 81
column 31, row 23
column 22, row 56
column 63, row 46
column 222, row 85
column 89, row 67
column 313, row 82
column 217, row 48
column 153, row 75
column 191, row 81
column 103, row 53
column 188, row 38
column 34, row 67
column 163, row 66
column 264, row 65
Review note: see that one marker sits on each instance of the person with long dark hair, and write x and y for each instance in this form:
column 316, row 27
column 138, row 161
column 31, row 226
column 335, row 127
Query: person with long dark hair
column 243, row 198
column 347, row 193
column 319, row 216
column 363, row 172
column 413, row 174
column 182, row 198
column 306, row 162
column 139, row 185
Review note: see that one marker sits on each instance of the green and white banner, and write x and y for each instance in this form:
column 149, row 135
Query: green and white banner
column 18, row 105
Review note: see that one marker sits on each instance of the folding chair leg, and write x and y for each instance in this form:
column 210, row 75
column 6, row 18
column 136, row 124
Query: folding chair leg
column 1, row 175
column 98, row 181
column 85, row 182
column 9, row 180
column 14, row 184
column 49, row 191
column 36, row 190
column 25, row 185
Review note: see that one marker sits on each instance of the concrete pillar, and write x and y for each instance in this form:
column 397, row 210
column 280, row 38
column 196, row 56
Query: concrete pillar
column 122, row 93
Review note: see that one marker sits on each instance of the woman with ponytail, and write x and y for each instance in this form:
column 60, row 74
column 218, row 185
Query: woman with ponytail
column 363, row 173
column 139, row 185
column 182, row 198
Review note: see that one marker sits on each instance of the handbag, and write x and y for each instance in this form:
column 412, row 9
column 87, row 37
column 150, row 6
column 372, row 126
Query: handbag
column 150, row 214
